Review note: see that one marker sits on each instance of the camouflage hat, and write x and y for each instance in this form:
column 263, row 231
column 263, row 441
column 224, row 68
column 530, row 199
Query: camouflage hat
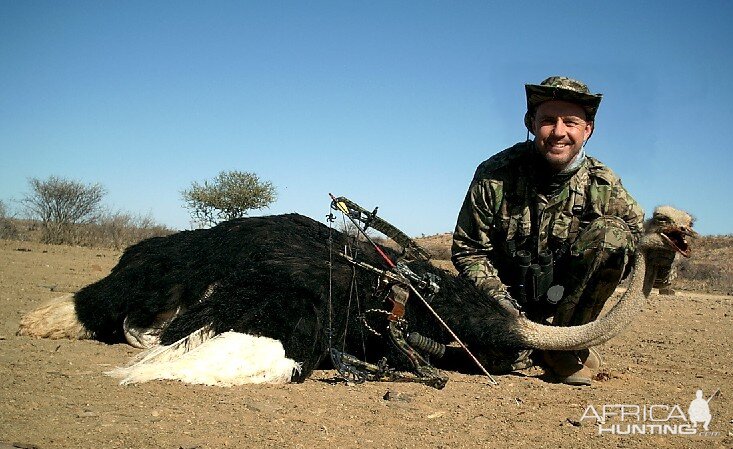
column 560, row 88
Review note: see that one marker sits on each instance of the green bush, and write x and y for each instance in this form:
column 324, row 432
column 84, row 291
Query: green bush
column 232, row 194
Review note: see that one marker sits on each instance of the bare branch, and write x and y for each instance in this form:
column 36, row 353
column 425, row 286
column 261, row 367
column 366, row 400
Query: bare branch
column 60, row 204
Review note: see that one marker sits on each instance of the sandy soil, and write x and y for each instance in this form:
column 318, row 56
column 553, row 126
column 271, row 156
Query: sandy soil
column 53, row 393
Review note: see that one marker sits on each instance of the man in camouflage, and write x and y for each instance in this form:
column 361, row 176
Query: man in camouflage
column 547, row 230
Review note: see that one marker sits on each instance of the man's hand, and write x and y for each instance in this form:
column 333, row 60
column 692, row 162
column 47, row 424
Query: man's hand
column 506, row 302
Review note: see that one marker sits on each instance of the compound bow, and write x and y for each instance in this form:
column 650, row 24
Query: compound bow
column 399, row 283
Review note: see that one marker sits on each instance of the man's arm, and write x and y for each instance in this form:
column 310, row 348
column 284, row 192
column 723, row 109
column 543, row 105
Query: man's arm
column 629, row 210
column 471, row 238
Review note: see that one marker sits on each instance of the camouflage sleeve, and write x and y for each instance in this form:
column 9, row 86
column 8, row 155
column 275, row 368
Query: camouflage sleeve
column 471, row 238
column 623, row 205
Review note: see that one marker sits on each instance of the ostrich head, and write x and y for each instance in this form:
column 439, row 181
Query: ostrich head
column 669, row 228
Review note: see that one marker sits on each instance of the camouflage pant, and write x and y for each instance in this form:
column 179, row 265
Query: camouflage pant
column 598, row 261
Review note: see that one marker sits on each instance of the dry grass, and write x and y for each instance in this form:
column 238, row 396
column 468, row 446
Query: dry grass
column 116, row 231
column 438, row 245
column 710, row 269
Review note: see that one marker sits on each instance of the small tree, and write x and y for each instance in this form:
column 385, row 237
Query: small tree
column 61, row 204
column 232, row 194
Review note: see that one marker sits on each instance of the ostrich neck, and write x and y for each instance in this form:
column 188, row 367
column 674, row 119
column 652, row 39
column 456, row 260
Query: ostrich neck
column 540, row 336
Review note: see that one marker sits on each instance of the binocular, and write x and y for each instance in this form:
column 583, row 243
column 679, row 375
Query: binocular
column 533, row 279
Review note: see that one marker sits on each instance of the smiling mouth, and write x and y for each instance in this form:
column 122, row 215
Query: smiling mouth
column 558, row 145
column 675, row 238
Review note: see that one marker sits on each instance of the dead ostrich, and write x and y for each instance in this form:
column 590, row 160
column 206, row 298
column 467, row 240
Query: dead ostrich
column 269, row 277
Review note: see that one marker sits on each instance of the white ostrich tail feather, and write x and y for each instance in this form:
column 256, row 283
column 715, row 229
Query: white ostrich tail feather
column 161, row 353
column 226, row 359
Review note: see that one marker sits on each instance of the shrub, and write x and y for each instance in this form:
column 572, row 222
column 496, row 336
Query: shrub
column 60, row 204
column 119, row 230
column 232, row 194
column 8, row 229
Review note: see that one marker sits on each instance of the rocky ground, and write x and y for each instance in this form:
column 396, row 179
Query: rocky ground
column 54, row 393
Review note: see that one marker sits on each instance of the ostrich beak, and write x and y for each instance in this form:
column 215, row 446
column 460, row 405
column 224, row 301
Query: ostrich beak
column 676, row 238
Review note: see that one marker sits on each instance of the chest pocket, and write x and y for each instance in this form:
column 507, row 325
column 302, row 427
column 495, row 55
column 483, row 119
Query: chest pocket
column 511, row 211
column 565, row 221
column 599, row 197
column 574, row 213
column 516, row 213
column 588, row 199
column 519, row 222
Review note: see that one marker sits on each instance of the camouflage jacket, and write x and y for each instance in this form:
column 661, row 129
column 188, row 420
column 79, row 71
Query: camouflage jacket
column 504, row 211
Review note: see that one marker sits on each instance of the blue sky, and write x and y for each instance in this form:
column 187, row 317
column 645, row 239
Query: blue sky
column 392, row 104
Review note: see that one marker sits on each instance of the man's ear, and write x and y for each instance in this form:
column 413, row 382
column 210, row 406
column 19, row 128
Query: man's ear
column 589, row 127
column 529, row 122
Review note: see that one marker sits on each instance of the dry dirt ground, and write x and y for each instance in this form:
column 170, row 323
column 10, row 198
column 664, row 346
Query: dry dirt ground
column 54, row 393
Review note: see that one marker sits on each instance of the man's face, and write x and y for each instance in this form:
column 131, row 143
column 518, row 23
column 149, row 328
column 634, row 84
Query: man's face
column 560, row 130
